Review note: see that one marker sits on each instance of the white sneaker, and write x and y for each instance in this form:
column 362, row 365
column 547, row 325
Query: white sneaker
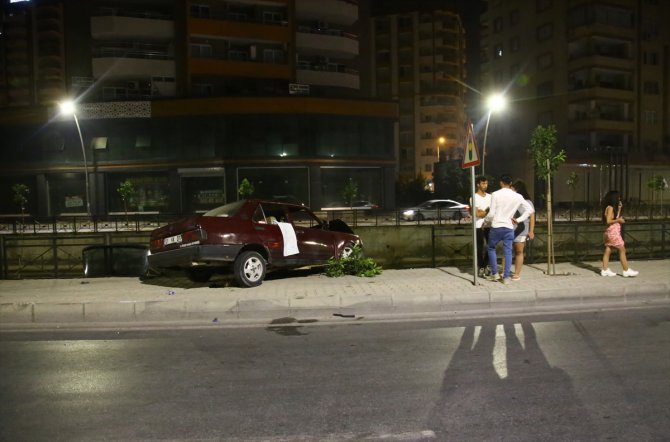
column 494, row 277
column 608, row 272
column 630, row 273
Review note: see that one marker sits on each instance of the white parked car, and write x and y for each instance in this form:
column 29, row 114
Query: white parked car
column 437, row 209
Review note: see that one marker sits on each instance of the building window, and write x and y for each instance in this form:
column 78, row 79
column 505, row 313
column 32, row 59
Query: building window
column 404, row 71
column 514, row 17
column 99, row 143
column 498, row 51
column 498, row 78
column 545, row 89
column 545, row 61
column 651, row 88
column 404, row 23
column 201, row 50
column 649, row 28
column 514, row 70
column 650, row 117
column 650, row 58
column 498, row 25
column 543, row 5
column 273, row 56
column 514, row 44
column 545, row 118
column 201, row 11
column 545, row 32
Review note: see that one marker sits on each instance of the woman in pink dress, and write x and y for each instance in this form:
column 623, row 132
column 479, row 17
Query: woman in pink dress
column 612, row 236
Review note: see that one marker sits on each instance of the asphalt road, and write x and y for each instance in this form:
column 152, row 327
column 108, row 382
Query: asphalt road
column 595, row 376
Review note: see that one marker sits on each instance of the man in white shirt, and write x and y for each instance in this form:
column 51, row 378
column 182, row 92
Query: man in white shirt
column 504, row 205
column 480, row 209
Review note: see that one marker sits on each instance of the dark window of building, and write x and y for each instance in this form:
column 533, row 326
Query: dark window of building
column 514, row 70
column 545, row 89
column 498, row 78
column 651, row 88
column 545, row 32
column 514, row 17
column 545, row 118
column 649, row 28
column 543, row 5
column 333, row 181
column 514, row 44
column 545, row 61
column 152, row 192
column 404, row 71
column 497, row 24
column 404, row 23
column 650, row 58
column 202, row 193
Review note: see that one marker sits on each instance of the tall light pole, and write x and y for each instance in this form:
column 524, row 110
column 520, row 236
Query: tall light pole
column 494, row 103
column 440, row 142
column 67, row 107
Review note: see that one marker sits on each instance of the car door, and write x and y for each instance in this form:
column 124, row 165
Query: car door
column 268, row 232
column 316, row 245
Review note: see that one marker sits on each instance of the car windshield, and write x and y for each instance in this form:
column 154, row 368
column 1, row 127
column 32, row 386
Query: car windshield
column 227, row 210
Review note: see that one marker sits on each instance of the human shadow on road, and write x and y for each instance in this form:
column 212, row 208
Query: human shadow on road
column 485, row 396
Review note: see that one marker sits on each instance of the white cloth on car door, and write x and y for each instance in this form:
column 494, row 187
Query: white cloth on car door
column 290, row 240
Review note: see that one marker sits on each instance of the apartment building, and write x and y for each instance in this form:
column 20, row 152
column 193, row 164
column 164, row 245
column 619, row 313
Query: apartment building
column 185, row 99
column 419, row 60
column 598, row 71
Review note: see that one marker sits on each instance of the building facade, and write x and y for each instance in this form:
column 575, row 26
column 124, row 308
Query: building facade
column 598, row 71
column 418, row 59
column 186, row 99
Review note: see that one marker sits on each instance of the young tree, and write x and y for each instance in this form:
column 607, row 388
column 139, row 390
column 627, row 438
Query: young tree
column 349, row 192
column 21, row 192
column 573, row 182
column 246, row 189
column 128, row 193
column 657, row 184
column 543, row 142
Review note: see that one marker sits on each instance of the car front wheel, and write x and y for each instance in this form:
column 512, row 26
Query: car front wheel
column 249, row 269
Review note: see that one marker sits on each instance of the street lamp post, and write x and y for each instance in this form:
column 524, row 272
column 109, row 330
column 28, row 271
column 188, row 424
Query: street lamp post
column 67, row 107
column 440, row 142
column 494, row 103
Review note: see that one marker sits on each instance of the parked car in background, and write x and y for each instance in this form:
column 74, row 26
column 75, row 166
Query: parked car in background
column 364, row 205
column 249, row 237
column 437, row 209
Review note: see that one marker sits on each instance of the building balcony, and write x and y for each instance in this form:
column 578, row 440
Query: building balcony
column 341, row 12
column 338, row 76
column 126, row 67
column 601, row 123
column 334, row 43
column 601, row 61
column 596, row 92
column 115, row 27
column 597, row 29
column 246, row 30
column 236, row 68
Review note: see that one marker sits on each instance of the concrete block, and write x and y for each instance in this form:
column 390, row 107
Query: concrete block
column 15, row 312
column 471, row 299
column 109, row 312
column 261, row 308
column 367, row 304
column 417, row 303
column 512, row 298
column 59, row 312
column 647, row 292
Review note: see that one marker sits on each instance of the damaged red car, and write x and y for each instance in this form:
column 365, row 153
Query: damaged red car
column 249, row 237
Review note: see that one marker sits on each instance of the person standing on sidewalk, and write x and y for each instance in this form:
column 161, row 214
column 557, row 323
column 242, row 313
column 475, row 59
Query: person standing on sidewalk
column 527, row 233
column 612, row 236
column 504, row 205
column 480, row 208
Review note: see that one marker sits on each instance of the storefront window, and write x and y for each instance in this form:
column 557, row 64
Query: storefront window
column 290, row 184
column 202, row 193
column 10, row 190
column 152, row 192
column 67, row 193
column 368, row 182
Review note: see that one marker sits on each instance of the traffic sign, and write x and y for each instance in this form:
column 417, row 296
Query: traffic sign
column 471, row 154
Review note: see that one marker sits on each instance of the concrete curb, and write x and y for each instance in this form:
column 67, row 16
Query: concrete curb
column 317, row 307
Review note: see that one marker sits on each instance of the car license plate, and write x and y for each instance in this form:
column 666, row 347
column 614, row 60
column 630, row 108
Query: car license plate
column 172, row 240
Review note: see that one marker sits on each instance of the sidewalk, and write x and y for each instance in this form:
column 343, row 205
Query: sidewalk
column 311, row 296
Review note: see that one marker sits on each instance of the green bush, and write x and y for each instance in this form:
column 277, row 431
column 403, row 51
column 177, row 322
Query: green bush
column 354, row 264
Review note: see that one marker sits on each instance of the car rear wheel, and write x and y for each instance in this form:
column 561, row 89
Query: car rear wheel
column 420, row 217
column 249, row 269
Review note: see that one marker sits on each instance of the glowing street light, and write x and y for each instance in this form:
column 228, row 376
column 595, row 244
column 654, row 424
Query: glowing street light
column 494, row 103
column 66, row 108
column 440, row 142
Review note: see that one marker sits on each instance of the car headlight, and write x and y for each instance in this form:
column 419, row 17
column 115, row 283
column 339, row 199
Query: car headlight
column 408, row 212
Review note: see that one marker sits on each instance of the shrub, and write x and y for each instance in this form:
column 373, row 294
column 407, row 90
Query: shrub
column 354, row 264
